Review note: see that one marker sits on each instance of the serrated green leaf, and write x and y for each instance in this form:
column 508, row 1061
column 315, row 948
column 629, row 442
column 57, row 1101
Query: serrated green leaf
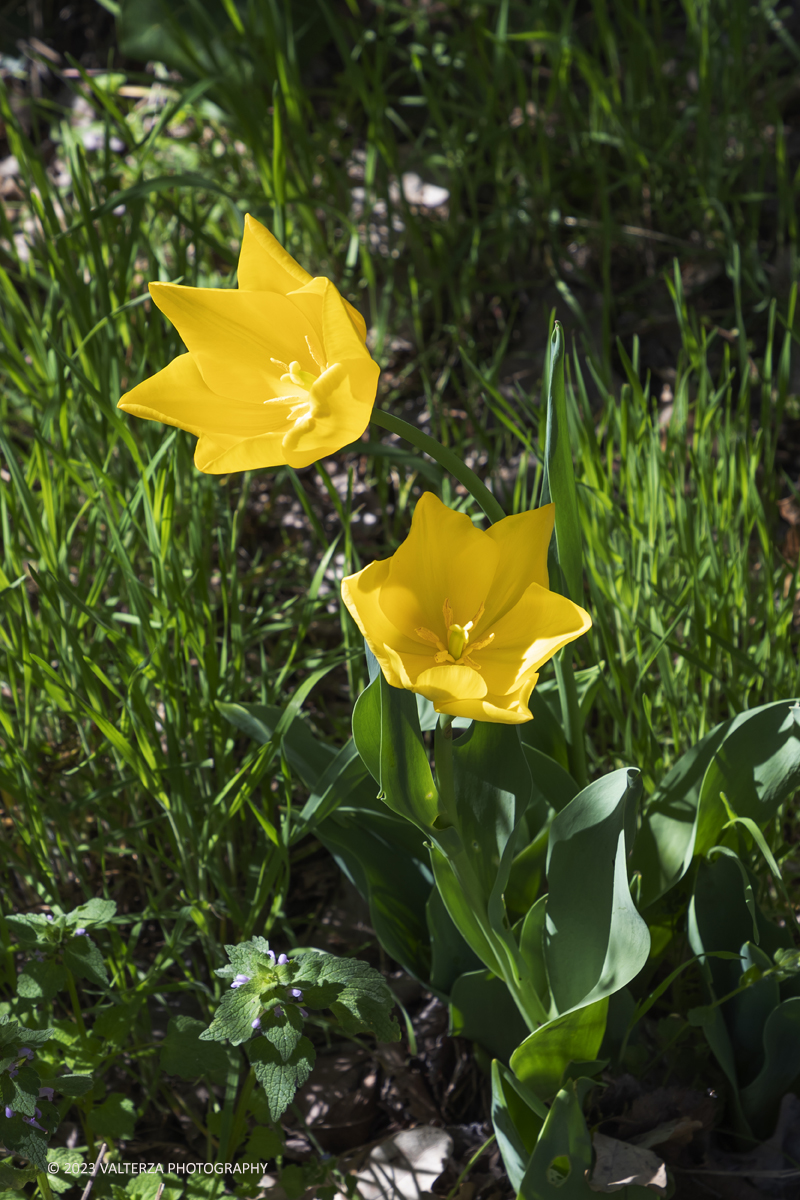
column 27, row 927
column 184, row 1054
column 284, row 1031
column 233, row 1020
column 72, row 1085
column 84, row 959
column 264, row 1143
column 363, row 1002
column 93, row 912
column 41, row 980
column 280, row 1078
column 15, row 1177
column 115, row 1118
column 25, row 1091
column 23, row 1139
column 115, row 1022
column 69, row 1162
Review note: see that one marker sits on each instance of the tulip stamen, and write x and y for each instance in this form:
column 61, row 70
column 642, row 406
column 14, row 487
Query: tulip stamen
column 323, row 366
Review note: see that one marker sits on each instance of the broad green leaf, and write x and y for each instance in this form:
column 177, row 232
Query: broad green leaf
column 558, row 483
column 562, row 1155
column 115, row 1118
column 41, row 980
column 757, row 766
column 481, row 1009
column 116, row 1022
column 516, row 1124
column 545, row 732
column 469, row 920
column 384, row 856
column 182, row 1053
column 72, row 1085
column 263, row 1144
column 450, row 954
column 83, row 958
column 285, row 1031
column 553, row 786
column 70, row 1163
column 280, row 1077
column 93, row 912
column 542, row 1059
column 387, row 733
column 754, row 758
column 233, row 1020
column 595, row 940
column 781, row 1067
column 306, row 755
column 355, row 992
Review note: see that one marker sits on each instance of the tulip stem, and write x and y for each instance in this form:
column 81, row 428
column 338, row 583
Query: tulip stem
column 446, row 458
column 571, row 716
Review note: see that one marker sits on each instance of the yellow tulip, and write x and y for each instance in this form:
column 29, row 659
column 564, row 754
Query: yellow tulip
column 464, row 617
column 277, row 371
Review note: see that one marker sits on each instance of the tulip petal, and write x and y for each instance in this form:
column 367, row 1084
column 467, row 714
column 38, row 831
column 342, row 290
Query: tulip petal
column 523, row 541
column 443, row 558
column 309, row 300
column 508, row 710
column 178, row 395
column 450, row 682
column 345, row 393
column 264, row 265
column 233, row 335
column 528, row 636
column 361, row 594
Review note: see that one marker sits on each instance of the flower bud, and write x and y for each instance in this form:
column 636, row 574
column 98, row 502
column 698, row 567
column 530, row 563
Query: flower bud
column 303, row 1012
column 278, row 1010
column 256, row 1024
column 79, row 932
column 240, row 980
column 47, row 1092
column 295, row 993
column 28, row 1053
column 9, row 1112
column 282, row 959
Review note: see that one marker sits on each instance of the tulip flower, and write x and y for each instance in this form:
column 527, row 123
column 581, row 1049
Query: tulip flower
column 277, row 371
column 466, row 617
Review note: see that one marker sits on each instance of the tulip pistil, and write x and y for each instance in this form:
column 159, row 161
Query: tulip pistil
column 457, row 639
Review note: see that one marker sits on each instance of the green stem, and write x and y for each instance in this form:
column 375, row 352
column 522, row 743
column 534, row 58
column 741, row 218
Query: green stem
column 446, row 458
column 43, row 1184
column 237, row 1129
column 571, row 716
column 76, row 1004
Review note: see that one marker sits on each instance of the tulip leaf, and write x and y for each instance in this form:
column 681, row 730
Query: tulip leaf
column 385, row 858
column 542, row 1059
column 562, row 1156
column 466, row 910
column 754, row 758
column 558, row 484
column 387, row 733
column 781, row 1040
column 595, row 940
column 482, row 1009
column 451, row 956
column 517, row 1121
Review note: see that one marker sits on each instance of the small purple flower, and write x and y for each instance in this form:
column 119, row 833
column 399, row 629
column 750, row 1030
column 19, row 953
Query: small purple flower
column 32, row 1121
column 47, row 1092
column 303, row 1012
column 9, row 1112
column 240, row 981
column 278, row 1010
column 271, row 953
column 295, row 993
column 282, row 959
column 49, row 916
column 256, row 1024
column 79, row 932
column 28, row 1053
column 13, row 1072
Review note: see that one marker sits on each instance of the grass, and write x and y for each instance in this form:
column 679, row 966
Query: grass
column 596, row 160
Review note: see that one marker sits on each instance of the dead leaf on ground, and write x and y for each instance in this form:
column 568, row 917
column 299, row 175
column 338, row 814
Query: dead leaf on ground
column 404, row 1166
column 619, row 1165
